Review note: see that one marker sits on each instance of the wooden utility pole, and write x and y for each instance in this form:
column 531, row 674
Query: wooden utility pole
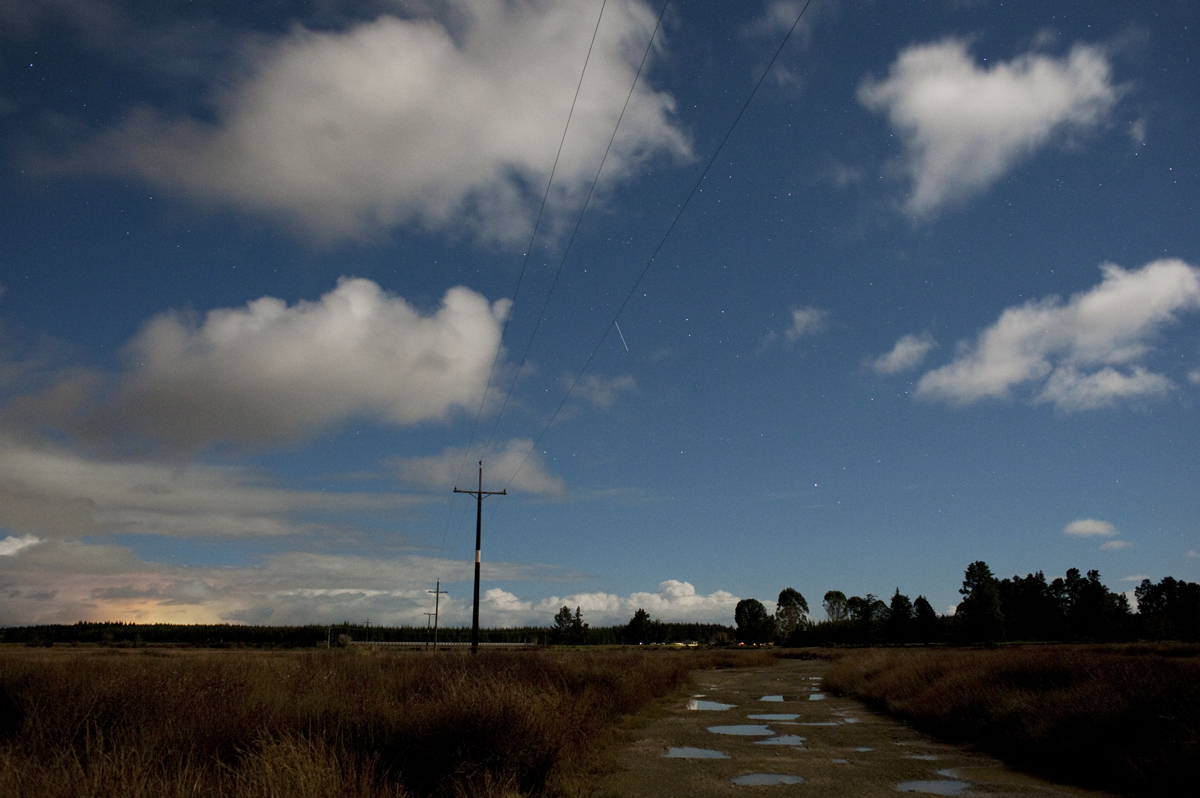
column 428, row 620
column 437, row 597
column 478, row 494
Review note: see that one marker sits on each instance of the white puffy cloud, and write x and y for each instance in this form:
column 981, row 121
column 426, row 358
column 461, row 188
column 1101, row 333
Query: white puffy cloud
column 51, row 493
column 517, row 465
column 908, row 353
column 964, row 125
column 449, row 117
column 1090, row 527
column 502, row 601
column 1082, row 353
column 673, row 601
column 270, row 372
column 806, row 321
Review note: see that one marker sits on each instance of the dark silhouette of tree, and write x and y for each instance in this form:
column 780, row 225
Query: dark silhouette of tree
column 898, row 627
column 569, row 629
column 867, row 614
column 926, row 626
column 1031, row 609
column 754, row 625
column 835, row 606
column 1169, row 610
column 983, row 618
column 791, row 613
column 643, row 629
column 1096, row 613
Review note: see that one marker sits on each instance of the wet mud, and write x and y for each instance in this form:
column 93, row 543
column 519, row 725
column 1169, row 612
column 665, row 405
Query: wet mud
column 804, row 746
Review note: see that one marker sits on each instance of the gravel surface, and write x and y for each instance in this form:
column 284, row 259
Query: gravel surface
column 800, row 741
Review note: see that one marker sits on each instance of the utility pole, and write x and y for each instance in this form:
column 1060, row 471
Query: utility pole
column 478, row 494
column 437, row 596
column 428, row 620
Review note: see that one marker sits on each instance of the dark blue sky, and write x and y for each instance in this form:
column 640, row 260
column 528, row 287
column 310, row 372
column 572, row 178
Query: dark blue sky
column 936, row 300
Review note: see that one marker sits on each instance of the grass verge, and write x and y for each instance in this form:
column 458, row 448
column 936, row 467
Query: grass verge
column 1120, row 718
column 353, row 724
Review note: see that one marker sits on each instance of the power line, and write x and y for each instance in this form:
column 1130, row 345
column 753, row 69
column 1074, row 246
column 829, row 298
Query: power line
column 662, row 241
column 524, row 266
column 578, row 222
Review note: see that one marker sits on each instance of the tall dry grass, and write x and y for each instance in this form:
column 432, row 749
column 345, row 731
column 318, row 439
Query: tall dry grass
column 1121, row 718
column 334, row 723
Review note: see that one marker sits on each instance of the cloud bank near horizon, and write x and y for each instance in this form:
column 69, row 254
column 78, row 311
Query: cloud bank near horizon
column 63, row 581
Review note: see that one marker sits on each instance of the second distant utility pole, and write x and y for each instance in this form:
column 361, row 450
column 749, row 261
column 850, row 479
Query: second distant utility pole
column 478, row 494
column 437, row 595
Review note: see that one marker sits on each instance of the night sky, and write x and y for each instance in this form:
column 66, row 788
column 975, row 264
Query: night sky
column 842, row 304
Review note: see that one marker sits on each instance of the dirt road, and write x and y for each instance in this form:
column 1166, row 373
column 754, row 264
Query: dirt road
column 780, row 735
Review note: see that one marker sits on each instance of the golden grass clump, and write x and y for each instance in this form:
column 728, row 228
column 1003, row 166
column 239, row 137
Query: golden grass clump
column 329, row 723
column 1110, row 717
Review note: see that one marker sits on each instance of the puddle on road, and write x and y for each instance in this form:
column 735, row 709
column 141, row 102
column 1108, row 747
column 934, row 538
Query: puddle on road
column 708, row 706
column 849, row 720
column 841, row 761
column 782, row 739
column 765, row 780
column 771, row 698
column 773, row 716
column 923, row 757
column 694, row 753
column 823, row 723
column 864, row 750
column 817, row 697
column 743, row 730
column 933, row 787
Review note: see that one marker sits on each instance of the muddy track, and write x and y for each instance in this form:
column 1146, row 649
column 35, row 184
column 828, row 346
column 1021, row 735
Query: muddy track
column 811, row 744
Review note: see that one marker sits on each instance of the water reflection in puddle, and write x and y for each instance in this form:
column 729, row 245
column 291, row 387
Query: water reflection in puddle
column 922, row 757
column 849, row 720
column 933, row 787
column 825, row 723
column 744, row 730
column 694, row 753
column 708, row 706
column 771, row 698
column 782, row 739
column 864, row 750
column 841, row 761
column 766, row 780
column 817, row 697
column 773, row 716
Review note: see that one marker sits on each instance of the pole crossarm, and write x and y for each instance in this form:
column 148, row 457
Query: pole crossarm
column 478, row 494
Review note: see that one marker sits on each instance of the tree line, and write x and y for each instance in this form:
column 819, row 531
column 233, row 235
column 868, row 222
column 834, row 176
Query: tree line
column 1074, row 607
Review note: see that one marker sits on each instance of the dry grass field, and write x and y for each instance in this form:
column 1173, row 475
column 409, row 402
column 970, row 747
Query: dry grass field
column 152, row 722
column 1118, row 717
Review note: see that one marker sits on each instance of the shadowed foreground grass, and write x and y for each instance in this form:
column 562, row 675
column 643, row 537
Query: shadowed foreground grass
column 333, row 723
column 1118, row 718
